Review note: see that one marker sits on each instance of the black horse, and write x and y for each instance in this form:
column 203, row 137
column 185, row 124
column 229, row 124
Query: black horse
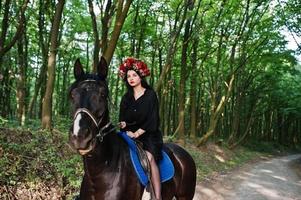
column 109, row 174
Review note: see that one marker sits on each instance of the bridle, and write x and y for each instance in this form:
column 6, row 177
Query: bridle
column 102, row 131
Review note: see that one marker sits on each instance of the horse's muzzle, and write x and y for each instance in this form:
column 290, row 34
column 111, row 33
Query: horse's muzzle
column 82, row 141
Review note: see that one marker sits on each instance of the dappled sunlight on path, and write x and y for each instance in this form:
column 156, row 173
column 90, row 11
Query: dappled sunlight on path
column 267, row 180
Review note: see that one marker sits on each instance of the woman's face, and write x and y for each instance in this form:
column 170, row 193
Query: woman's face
column 133, row 78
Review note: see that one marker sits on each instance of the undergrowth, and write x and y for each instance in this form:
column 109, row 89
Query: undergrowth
column 35, row 161
column 40, row 163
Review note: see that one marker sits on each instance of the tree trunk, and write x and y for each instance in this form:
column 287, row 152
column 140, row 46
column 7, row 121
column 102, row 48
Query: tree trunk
column 105, row 24
column 236, row 119
column 47, row 101
column 181, row 111
column 5, row 93
column 64, row 88
column 171, row 48
column 215, row 113
column 122, row 11
column 163, row 105
column 6, row 46
column 161, row 110
column 143, row 26
column 21, row 83
column 251, row 105
column 193, row 87
column 44, row 47
column 96, row 37
column 132, row 34
column 243, row 137
column 170, row 107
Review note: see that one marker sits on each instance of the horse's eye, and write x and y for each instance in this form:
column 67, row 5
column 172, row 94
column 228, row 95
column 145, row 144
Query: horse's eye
column 74, row 94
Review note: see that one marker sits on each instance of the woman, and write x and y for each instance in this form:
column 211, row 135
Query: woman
column 139, row 114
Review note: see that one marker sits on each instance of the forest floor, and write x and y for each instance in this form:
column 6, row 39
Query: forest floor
column 40, row 165
column 269, row 179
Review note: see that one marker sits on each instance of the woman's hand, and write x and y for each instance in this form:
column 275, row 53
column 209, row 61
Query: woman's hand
column 139, row 132
column 122, row 124
column 131, row 134
column 135, row 134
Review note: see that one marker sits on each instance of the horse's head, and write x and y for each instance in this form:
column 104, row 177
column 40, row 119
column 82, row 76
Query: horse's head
column 89, row 101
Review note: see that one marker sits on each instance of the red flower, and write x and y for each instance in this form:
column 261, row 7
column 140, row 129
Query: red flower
column 133, row 64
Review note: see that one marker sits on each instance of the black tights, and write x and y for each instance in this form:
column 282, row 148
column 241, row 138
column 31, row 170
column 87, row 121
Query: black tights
column 155, row 175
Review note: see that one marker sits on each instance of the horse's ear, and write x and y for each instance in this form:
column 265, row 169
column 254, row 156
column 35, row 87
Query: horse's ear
column 78, row 69
column 102, row 68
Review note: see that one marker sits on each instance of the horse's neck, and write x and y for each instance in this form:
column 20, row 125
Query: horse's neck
column 107, row 154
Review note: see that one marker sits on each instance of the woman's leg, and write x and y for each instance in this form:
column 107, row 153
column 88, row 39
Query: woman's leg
column 155, row 174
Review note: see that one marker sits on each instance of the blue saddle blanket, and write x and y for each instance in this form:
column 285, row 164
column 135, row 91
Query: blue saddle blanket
column 165, row 165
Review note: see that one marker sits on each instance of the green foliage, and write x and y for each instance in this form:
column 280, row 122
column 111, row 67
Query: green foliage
column 3, row 121
column 35, row 157
column 244, row 38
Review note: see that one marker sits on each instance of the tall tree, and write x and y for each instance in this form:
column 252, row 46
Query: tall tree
column 43, row 41
column 193, row 88
column 47, row 101
column 5, row 45
column 183, row 75
column 122, row 10
column 8, row 38
column 107, row 44
column 95, row 34
column 180, row 18
column 21, row 83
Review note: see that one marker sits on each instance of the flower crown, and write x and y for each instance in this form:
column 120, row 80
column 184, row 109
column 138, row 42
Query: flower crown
column 133, row 64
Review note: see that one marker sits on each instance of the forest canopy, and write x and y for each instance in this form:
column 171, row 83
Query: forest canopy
column 222, row 69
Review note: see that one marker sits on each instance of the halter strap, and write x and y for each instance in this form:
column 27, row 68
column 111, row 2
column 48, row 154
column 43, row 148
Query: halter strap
column 84, row 110
column 101, row 130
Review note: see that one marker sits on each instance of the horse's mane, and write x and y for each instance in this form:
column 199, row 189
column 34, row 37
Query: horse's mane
column 117, row 147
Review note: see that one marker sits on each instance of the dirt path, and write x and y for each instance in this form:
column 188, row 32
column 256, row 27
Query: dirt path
column 274, row 179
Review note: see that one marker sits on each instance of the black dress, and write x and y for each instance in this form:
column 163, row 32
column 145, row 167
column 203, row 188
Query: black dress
column 143, row 113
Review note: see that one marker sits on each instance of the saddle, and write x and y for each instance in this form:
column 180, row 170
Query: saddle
column 140, row 162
